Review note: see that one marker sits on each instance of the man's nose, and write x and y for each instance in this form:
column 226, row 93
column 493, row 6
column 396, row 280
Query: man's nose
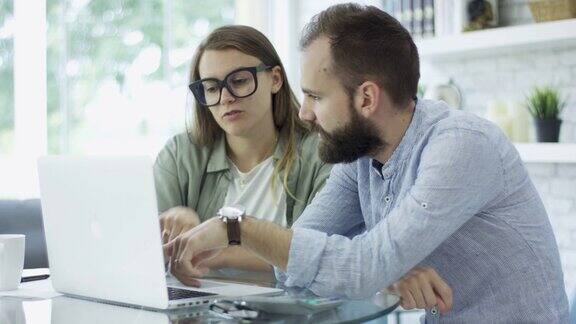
column 306, row 114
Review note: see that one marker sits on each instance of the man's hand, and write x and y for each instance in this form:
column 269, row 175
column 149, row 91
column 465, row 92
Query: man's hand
column 423, row 288
column 176, row 221
column 188, row 250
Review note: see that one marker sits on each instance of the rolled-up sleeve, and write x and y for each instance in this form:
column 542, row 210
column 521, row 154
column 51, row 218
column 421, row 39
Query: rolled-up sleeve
column 334, row 210
column 458, row 174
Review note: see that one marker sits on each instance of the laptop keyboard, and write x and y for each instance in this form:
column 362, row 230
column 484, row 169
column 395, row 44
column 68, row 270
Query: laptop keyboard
column 176, row 293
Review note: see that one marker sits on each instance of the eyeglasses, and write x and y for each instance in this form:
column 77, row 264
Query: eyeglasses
column 241, row 83
column 234, row 310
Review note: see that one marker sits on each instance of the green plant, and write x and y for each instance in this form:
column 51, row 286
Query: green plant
column 545, row 103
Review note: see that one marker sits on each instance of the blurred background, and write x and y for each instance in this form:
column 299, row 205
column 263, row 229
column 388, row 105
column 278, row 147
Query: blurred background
column 110, row 77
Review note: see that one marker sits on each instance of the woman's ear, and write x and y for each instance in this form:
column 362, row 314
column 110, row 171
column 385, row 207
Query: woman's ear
column 277, row 80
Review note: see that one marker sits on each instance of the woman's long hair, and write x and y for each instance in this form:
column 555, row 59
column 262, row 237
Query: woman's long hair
column 285, row 106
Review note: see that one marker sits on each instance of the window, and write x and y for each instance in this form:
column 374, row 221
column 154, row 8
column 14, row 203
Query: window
column 6, row 78
column 102, row 77
column 113, row 80
column 117, row 71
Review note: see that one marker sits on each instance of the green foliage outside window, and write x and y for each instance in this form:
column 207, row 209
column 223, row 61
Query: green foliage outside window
column 6, row 78
column 96, row 42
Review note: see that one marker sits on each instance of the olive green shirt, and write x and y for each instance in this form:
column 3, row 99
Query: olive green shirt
column 198, row 177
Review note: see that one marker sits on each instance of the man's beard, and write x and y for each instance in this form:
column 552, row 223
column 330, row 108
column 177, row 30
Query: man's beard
column 358, row 138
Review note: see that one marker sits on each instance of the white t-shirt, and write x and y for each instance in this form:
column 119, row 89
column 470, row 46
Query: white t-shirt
column 254, row 191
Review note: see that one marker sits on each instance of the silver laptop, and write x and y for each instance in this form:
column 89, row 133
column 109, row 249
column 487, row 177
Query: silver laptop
column 103, row 235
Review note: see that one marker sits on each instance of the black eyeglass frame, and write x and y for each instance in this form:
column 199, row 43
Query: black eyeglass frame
column 234, row 309
column 196, row 86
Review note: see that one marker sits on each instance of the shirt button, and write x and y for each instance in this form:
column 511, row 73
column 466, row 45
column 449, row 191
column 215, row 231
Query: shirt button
column 387, row 199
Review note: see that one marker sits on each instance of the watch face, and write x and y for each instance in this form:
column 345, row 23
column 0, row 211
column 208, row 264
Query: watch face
column 232, row 212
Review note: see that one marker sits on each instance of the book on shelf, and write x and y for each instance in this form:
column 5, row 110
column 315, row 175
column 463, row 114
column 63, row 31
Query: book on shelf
column 428, row 19
column 407, row 15
column 417, row 18
column 397, row 10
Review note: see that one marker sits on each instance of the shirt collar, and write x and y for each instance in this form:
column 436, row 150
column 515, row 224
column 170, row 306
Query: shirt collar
column 403, row 149
column 218, row 162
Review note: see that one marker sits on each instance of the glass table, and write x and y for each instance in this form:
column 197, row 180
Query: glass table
column 68, row 310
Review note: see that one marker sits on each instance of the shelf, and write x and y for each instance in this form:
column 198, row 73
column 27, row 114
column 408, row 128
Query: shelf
column 548, row 35
column 547, row 152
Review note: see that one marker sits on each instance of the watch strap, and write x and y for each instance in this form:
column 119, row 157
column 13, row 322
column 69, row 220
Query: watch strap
column 233, row 228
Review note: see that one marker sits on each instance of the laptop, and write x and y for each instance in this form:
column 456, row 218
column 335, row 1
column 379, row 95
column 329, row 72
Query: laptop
column 103, row 235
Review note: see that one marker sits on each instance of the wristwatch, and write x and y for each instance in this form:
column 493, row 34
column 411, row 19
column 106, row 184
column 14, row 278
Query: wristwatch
column 232, row 216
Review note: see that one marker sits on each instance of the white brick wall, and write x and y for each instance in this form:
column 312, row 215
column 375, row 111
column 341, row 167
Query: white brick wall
column 510, row 77
column 557, row 186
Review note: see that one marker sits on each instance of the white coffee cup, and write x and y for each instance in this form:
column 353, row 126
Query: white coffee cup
column 11, row 311
column 11, row 260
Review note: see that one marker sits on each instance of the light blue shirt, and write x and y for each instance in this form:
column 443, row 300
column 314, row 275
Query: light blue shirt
column 454, row 196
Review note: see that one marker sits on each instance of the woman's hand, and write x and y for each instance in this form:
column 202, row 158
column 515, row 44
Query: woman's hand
column 176, row 221
column 188, row 251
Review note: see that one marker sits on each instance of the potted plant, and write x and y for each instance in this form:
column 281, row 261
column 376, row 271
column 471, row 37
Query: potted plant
column 545, row 105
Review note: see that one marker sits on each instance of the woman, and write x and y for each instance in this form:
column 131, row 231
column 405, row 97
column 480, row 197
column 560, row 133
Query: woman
column 246, row 146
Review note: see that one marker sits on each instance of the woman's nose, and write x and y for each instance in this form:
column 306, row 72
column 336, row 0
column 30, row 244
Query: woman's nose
column 226, row 97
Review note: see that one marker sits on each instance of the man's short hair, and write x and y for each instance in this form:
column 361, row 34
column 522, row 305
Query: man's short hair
column 368, row 44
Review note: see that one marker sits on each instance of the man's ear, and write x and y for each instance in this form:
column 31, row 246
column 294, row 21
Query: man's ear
column 367, row 98
column 277, row 80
